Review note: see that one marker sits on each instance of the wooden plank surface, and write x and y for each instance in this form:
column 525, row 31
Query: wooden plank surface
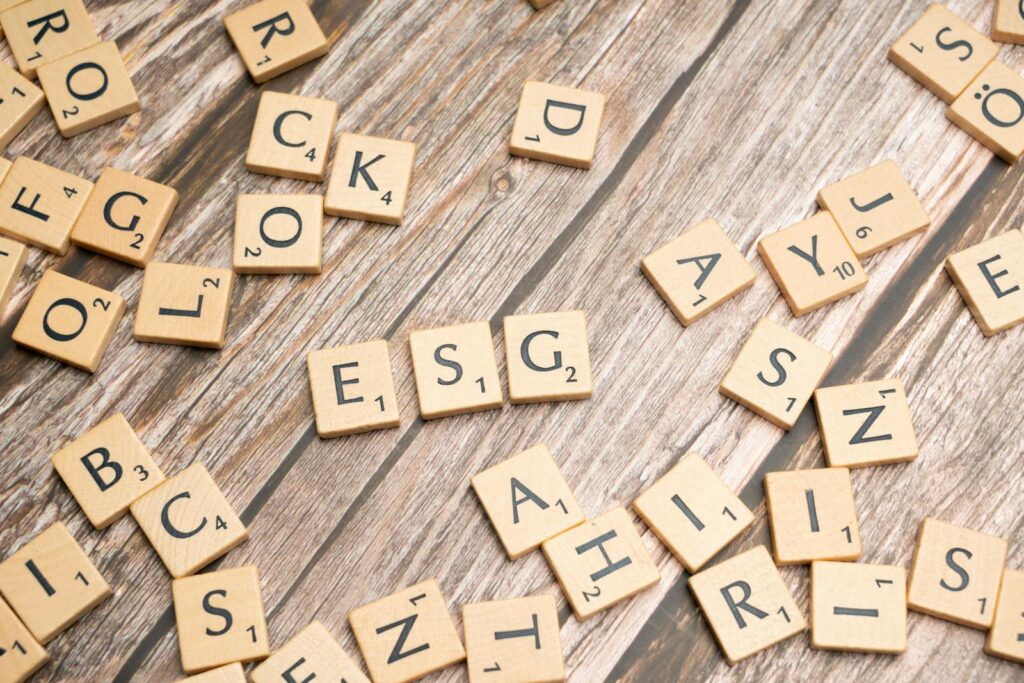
column 739, row 110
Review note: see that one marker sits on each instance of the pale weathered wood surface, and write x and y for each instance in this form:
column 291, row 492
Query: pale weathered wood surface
column 740, row 110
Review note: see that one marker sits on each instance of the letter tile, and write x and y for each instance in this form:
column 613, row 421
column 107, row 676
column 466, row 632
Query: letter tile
column 229, row 673
column 291, row 136
column 188, row 521
column 858, row 607
column 1006, row 637
column 41, row 31
column 990, row 277
column 407, row 635
column 527, row 500
column 220, row 618
column 275, row 36
column 548, row 357
column 992, row 111
column 20, row 101
column 455, row 370
column 353, row 389
column 311, row 654
column 370, row 179
column 50, row 583
column 865, row 424
column 955, row 574
column 185, row 305
column 513, row 641
column 693, row 512
column 812, row 515
column 775, row 373
column 1008, row 21
column 279, row 233
column 21, row 655
column 12, row 262
column 747, row 604
column 39, row 204
column 69, row 320
column 557, row 124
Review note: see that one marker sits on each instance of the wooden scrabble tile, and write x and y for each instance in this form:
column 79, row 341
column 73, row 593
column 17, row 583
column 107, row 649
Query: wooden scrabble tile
column 1006, row 637
column 513, row 641
column 125, row 216
column 747, row 604
column 875, row 208
column 955, row 574
column 601, row 562
column 312, row 653
column 698, row 271
column 5, row 166
column 527, row 500
column 370, row 179
column 353, row 389
column 455, row 370
column 548, row 357
column 812, row 515
column 39, row 204
column 858, row 607
column 292, row 135
column 775, row 373
column 20, row 654
column 557, row 124
column 41, row 31
column 1008, row 21
column 275, row 36
column 229, row 673
column 693, row 512
column 188, row 521
column 942, row 53
column 69, row 320
column 20, row 101
column 107, row 469
column 88, row 88
column 51, row 583
column 990, row 277
column 992, row 111
column 812, row 263
column 865, row 424
column 185, row 305
column 5, row 5
column 12, row 262
column 220, row 618
column 407, row 635
column 279, row 233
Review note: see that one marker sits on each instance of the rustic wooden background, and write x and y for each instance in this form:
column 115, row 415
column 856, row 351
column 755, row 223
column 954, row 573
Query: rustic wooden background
column 740, row 110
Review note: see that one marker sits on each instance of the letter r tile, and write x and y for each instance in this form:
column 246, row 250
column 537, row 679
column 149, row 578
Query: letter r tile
column 353, row 389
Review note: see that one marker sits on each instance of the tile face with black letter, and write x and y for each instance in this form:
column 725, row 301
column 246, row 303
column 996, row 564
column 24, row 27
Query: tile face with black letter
column 858, row 607
column 40, row 204
column 865, row 424
column 275, row 36
column 370, row 179
column 513, row 641
column 20, row 101
column 455, row 370
column 311, row 654
column 1008, row 21
column 22, row 655
column 991, row 109
column 557, row 124
column 186, row 305
column 548, row 357
column 279, row 233
column 1006, row 637
column 291, row 136
column 812, row 515
column 990, row 278
column 41, row 31
column 353, row 389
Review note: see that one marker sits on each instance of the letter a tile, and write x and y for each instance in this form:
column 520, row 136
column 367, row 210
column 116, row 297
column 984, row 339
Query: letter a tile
column 40, row 31
column 513, row 641
column 292, row 135
column 1006, row 637
column 312, row 654
column 865, row 424
column 455, row 370
column 275, row 36
column 990, row 277
column 20, row 101
column 956, row 573
column 20, row 655
column 39, row 204
column 812, row 515
column 353, row 389
column 557, row 124
column 407, row 635
column 858, row 607
column 992, row 111
column 185, row 305
column 548, row 357
column 370, row 179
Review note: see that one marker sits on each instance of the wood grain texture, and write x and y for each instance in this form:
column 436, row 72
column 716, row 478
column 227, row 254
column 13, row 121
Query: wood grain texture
column 738, row 110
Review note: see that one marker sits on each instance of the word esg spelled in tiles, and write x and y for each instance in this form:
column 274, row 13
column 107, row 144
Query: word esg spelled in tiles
column 865, row 424
column 291, row 137
column 455, row 370
column 812, row 515
column 275, row 36
column 312, row 654
column 185, row 305
column 990, row 277
column 39, row 204
column 548, row 357
column 353, row 389
column 371, row 178
column 557, row 124
column 858, row 607
column 513, row 641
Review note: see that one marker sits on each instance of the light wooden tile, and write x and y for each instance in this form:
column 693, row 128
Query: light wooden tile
column 875, row 208
column 407, row 635
column 557, row 124
column 125, row 216
column 527, row 500
column 858, row 607
column 353, row 389
column 107, row 469
column 747, row 604
column 693, row 512
column 513, row 641
column 1008, row 21
column 291, row 136
column 229, row 673
column 88, row 88
column 69, row 320
column 601, row 562
column 5, row 166
column 39, row 204
column 182, row 304
column 812, row 263
column 20, row 101
column 942, row 52
column 275, row 36
column 955, row 574
column 775, row 373
column 990, row 277
column 51, row 583
column 5, row 5
column 812, row 515
column 865, row 424
column 370, row 179
column 992, row 111
column 41, row 31
column 1006, row 637
column 188, row 521
column 21, row 655
column 312, row 654
column 455, row 370
column 548, row 357
column 220, row 618
column 279, row 233
column 698, row 271
column 12, row 262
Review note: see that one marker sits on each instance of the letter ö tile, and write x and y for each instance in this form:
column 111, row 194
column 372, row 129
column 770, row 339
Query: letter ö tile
column 991, row 109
